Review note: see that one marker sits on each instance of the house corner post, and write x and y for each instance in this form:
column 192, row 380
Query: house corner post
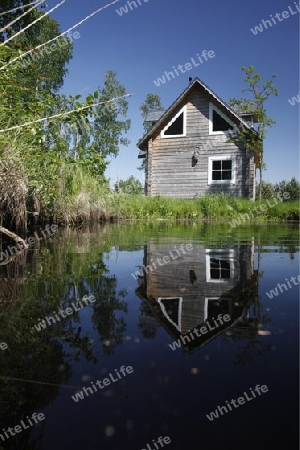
column 149, row 169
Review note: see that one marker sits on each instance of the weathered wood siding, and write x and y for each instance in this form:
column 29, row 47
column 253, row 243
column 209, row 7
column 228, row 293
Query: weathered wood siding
column 170, row 171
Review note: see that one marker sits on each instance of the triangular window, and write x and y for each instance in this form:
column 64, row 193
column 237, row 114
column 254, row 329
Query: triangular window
column 218, row 122
column 214, row 306
column 171, row 308
column 176, row 127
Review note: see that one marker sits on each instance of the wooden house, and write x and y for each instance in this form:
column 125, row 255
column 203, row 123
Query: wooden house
column 188, row 152
column 198, row 286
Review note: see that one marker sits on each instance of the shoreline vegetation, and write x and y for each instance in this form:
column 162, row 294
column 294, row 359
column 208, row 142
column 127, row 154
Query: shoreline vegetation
column 110, row 206
column 209, row 207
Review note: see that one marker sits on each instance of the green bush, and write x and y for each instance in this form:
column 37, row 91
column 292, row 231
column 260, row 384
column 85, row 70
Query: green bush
column 292, row 187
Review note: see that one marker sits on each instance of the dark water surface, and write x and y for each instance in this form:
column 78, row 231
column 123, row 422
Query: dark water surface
column 198, row 274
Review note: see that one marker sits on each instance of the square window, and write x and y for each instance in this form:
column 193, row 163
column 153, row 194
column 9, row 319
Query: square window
column 219, row 269
column 217, row 165
column 217, row 175
column 219, row 265
column 226, row 164
column 221, row 170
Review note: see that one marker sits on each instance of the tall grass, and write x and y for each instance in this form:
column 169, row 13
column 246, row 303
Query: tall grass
column 214, row 206
column 79, row 197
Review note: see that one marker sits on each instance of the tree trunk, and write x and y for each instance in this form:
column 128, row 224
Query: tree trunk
column 260, row 183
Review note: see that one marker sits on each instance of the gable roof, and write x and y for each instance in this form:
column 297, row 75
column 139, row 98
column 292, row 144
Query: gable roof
column 153, row 116
column 194, row 82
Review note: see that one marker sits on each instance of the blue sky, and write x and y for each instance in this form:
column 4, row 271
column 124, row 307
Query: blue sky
column 159, row 34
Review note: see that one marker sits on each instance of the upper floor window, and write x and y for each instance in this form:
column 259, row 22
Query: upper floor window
column 218, row 122
column 177, row 126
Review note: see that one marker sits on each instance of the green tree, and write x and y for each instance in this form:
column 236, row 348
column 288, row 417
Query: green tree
column 28, row 87
column 90, row 136
column 5, row 19
column 152, row 103
column 131, row 186
column 108, row 128
column 44, row 69
column 267, row 190
column 46, row 163
column 292, row 187
column 259, row 92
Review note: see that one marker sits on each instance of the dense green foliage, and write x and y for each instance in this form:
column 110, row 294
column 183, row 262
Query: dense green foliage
column 52, row 164
column 131, row 186
column 292, row 187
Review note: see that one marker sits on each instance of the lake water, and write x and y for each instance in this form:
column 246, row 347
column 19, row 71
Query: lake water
column 123, row 334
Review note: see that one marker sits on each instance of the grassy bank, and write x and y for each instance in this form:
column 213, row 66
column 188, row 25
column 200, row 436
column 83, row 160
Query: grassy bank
column 109, row 205
column 208, row 207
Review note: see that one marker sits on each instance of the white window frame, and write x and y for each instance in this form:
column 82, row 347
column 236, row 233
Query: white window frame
column 207, row 299
column 162, row 134
column 220, row 253
column 218, row 158
column 212, row 108
column 163, row 309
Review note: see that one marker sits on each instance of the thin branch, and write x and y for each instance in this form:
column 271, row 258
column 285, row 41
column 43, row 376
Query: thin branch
column 20, row 17
column 60, row 35
column 14, row 236
column 63, row 114
column 20, row 7
column 31, row 24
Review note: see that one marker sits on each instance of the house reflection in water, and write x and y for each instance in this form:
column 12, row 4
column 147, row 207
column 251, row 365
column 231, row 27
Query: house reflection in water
column 196, row 288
